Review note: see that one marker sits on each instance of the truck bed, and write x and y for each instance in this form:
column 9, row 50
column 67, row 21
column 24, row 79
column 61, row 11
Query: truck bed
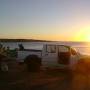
column 33, row 50
column 22, row 54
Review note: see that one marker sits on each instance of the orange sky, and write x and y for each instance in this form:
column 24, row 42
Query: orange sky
column 60, row 20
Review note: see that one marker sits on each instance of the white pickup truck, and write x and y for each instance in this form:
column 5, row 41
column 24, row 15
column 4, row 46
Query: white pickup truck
column 51, row 55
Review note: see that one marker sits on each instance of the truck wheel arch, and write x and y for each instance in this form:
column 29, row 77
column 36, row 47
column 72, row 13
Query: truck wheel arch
column 33, row 62
column 32, row 57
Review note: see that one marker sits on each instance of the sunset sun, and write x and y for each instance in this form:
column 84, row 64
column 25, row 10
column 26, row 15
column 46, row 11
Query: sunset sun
column 83, row 35
column 88, row 38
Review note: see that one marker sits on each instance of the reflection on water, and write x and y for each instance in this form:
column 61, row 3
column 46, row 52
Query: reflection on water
column 84, row 50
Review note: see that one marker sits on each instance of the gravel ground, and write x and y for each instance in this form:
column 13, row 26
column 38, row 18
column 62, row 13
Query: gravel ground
column 18, row 78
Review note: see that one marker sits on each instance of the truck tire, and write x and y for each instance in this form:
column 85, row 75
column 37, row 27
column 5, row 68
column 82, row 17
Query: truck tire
column 33, row 63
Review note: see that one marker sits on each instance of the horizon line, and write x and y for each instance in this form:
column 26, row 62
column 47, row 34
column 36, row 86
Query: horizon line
column 40, row 40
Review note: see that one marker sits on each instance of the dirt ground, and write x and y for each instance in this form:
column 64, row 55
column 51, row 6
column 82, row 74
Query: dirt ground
column 18, row 78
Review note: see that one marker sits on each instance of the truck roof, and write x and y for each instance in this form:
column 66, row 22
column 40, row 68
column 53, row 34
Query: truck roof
column 58, row 45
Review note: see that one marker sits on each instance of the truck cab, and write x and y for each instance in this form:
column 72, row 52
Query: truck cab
column 62, row 56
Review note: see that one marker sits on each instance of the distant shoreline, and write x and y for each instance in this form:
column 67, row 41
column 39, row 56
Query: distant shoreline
column 36, row 40
column 23, row 40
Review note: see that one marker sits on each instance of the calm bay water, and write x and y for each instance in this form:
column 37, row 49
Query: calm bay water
column 82, row 47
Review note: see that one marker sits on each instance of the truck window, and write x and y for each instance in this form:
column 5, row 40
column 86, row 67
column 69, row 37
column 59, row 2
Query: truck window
column 63, row 49
column 51, row 49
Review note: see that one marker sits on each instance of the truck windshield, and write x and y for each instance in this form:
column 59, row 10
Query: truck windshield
column 73, row 51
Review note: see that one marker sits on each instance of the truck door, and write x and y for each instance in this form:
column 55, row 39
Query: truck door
column 63, row 55
column 49, row 55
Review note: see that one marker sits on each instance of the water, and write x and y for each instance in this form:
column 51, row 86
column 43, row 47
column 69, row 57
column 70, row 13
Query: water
column 82, row 47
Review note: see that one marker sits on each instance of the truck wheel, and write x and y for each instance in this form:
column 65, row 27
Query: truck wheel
column 33, row 63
